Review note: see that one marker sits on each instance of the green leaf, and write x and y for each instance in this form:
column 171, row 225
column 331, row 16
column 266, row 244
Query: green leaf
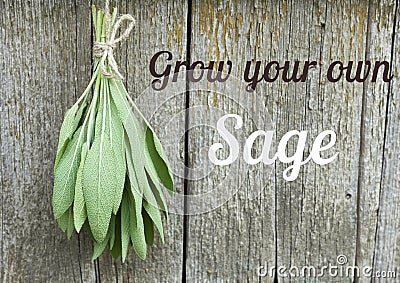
column 63, row 220
column 135, row 205
column 153, row 144
column 159, row 159
column 120, row 100
column 155, row 215
column 135, row 159
column 99, row 173
column 116, row 249
column 79, row 200
column 146, row 151
column 70, row 228
column 146, row 165
column 135, row 138
column 100, row 117
column 154, row 184
column 88, row 229
column 148, row 228
column 112, row 231
column 136, row 225
column 98, row 248
column 79, row 115
column 93, row 123
column 158, row 194
column 71, row 122
column 65, row 174
column 125, row 227
column 66, row 132
column 66, row 222
column 130, row 163
column 116, row 133
column 137, row 154
column 98, row 179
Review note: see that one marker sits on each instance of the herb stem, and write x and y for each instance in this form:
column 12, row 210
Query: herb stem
column 107, row 92
column 94, row 15
column 140, row 113
column 99, row 24
column 92, row 110
column 87, row 90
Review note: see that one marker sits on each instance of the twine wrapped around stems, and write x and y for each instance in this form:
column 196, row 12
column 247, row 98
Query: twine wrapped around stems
column 104, row 50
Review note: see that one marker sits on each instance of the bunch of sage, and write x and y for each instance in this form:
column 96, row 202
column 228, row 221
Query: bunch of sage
column 110, row 166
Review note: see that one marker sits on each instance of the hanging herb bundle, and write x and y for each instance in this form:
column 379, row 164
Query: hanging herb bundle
column 110, row 165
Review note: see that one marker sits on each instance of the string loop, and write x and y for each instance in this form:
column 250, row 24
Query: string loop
column 104, row 50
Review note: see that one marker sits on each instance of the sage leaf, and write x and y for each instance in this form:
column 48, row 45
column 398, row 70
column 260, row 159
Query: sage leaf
column 98, row 178
column 158, row 194
column 79, row 200
column 120, row 100
column 148, row 228
column 112, row 231
column 135, row 205
column 66, row 222
column 135, row 135
column 65, row 174
column 98, row 248
column 152, row 142
column 79, row 115
column 116, row 249
column 70, row 228
column 116, row 132
column 158, row 157
column 92, row 121
column 150, row 153
column 154, row 184
column 63, row 220
column 125, row 225
column 136, row 225
column 155, row 215
column 66, row 132
column 132, row 171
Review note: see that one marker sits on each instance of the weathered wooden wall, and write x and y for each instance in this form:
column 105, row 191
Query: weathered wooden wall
column 349, row 207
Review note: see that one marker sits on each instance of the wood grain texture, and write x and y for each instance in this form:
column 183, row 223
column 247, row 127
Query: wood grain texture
column 46, row 59
column 387, row 255
column 317, row 213
column 232, row 241
column 374, row 137
column 42, row 75
column 349, row 207
column 159, row 26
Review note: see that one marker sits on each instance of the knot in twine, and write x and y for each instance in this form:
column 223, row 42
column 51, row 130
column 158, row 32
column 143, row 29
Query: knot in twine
column 104, row 50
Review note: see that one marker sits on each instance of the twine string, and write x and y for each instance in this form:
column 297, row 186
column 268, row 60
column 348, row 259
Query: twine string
column 104, row 50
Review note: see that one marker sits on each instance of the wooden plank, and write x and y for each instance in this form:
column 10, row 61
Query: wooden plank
column 322, row 204
column 387, row 240
column 35, row 93
column 84, row 27
column 42, row 75
column 159, row 26
column 379, row 48
column 317, row 213
column 306, row 222
column 233, row 240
